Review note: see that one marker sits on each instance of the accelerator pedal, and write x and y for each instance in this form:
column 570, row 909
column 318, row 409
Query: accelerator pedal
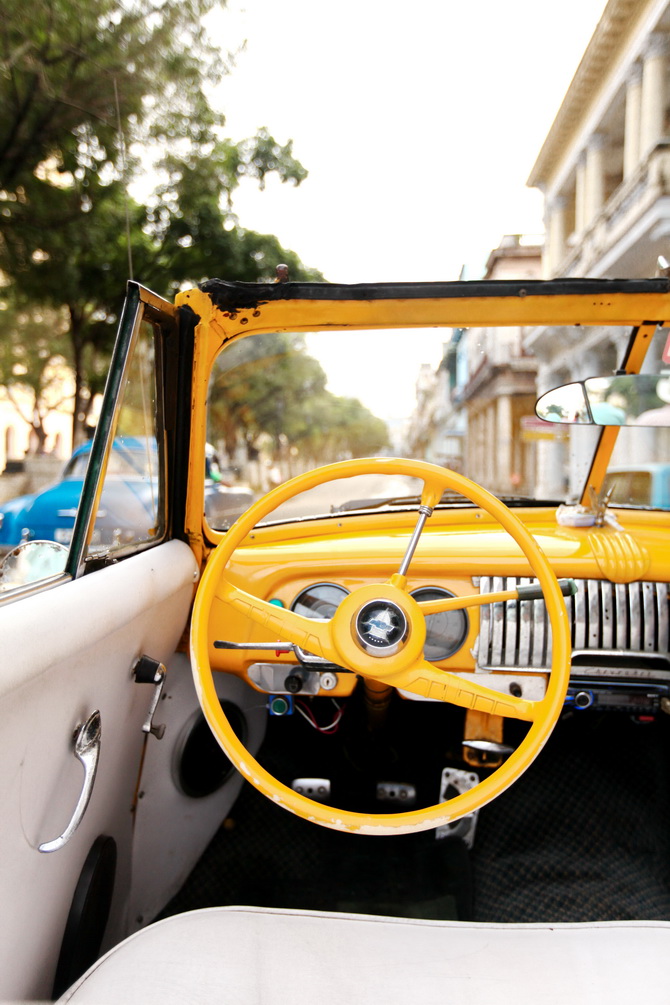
column 454, row 782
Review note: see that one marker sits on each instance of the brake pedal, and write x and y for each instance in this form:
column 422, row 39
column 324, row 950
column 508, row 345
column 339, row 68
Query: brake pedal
column 454, row 782
column 314, row 788
column 396, row 793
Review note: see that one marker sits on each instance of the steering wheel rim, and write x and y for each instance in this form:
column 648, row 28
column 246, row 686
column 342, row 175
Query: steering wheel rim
column 545, row 712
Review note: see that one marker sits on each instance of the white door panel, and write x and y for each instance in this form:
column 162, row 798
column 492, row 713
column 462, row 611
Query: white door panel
column 67, row 652
column 172, row 828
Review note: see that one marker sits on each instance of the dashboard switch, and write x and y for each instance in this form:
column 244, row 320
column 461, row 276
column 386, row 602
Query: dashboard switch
column 280, row 705
column 293, row 683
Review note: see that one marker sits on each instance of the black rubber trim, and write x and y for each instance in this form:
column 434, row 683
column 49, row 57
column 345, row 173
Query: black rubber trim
column 243, row 296
column 89, row 911
column 181, row 433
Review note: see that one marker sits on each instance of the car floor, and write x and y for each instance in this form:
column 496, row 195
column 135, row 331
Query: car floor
column 583, row 835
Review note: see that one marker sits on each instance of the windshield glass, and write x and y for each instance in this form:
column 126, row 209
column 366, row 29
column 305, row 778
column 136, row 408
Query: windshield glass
column 283, row 403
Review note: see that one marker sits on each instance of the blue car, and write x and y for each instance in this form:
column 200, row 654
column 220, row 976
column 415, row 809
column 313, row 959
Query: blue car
column 640, row 485
column 128, row 505
column 128, row 500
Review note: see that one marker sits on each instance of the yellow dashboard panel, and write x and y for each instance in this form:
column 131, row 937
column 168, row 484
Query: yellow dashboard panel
column 458, row 548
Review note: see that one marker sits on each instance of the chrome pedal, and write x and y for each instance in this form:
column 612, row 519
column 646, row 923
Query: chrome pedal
column 396, row 793
column 314, row 788
column 454, row 782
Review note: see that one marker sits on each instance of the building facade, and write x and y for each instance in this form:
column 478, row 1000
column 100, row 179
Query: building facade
column 498, row 393
column 604, row 168
column 472, row 411
column 604, row 171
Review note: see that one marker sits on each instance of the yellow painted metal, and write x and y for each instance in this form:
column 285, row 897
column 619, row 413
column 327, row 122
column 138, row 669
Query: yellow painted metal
column 609, row 435
column 217, row 327
column 627, row 309
column 405, row 669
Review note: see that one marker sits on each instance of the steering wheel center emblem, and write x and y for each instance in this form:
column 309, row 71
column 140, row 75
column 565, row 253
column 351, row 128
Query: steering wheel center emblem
column 381, row 628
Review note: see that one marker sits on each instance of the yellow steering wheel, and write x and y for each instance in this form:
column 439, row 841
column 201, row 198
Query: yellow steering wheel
column 379, row 632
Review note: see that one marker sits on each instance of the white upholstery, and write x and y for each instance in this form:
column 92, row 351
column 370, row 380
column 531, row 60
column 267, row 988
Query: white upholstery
column 245, row 955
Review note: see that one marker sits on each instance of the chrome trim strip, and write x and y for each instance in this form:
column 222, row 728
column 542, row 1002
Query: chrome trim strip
column 622, row 621
column 662, row 607
column 592, row 613
column 525, row 626
column 649, row 609
column 32, row 589
column 607, row 631
column 510, row 620
column 579, row 619
column 634, row 617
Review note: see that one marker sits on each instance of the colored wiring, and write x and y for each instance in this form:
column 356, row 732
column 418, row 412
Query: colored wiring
column 306, row 713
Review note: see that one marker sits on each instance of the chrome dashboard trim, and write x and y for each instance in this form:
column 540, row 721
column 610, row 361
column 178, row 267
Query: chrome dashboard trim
column 630, row 620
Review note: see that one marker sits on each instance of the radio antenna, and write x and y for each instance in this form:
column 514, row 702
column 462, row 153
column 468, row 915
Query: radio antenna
column 124, row 177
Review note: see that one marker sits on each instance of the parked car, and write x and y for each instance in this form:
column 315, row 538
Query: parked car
column 640, row 485
column 460, row 696
column 128, row 501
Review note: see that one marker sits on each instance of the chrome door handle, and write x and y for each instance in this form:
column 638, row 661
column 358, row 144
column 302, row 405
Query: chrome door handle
column 87, row 750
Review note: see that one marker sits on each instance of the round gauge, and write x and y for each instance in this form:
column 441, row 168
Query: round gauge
column 445, row 632
column 319, row 600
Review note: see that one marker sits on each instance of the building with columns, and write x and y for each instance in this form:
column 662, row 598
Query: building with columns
column 604, row 168
column 498, row 394
column 471, row 411
column 604, row 171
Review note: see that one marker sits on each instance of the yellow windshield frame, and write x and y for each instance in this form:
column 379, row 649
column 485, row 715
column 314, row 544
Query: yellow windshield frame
column 228, row 311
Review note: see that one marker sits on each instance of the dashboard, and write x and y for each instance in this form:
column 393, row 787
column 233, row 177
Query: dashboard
column 620, row 620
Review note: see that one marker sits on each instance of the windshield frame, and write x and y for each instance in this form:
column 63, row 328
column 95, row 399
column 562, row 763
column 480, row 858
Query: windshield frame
column 229, row 311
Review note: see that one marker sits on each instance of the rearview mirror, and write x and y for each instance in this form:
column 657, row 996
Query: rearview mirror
column 623, row 400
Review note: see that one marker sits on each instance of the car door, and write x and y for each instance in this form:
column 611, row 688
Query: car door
column 70, row 642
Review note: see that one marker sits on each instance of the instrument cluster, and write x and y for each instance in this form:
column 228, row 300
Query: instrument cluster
column 445, row 632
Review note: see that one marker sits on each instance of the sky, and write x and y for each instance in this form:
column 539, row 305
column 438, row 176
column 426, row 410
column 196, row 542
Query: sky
column 419, row 123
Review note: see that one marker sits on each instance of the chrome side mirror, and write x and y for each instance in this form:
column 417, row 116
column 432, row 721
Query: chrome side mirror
column 623, row 400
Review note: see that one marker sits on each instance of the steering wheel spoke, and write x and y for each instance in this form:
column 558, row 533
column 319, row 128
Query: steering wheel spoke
column 311, row 635
column 567, row 587
column 428, row 681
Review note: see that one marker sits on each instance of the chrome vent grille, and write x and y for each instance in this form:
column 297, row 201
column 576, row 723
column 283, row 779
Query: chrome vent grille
column 634, row 617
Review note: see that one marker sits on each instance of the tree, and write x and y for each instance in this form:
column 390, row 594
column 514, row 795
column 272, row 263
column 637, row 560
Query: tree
column 73, row 70
column 260, row 386
column 196, row 232
column 33, row 370
column 269, row 385
column 337, row 428
column 77, row 78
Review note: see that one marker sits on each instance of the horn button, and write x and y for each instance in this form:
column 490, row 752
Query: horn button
column 381, row 628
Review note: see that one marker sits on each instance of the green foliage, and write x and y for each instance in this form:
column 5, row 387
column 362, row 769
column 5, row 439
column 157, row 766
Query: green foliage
column 268, row 386
column 64, row 62
column 196, row 234
column 33, row 349
column 71, row 73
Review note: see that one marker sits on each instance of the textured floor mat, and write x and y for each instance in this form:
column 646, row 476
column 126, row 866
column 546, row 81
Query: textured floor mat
column 267, row 857
column 584, row 835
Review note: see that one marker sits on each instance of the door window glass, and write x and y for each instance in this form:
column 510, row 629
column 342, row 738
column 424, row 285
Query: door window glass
column 131, row 504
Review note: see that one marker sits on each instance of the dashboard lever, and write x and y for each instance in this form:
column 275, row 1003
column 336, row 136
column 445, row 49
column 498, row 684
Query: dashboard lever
column 279, row 647
column 534, row 591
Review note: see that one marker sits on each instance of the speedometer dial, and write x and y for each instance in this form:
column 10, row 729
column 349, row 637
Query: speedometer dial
column 445, row 632
column 319, row 600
